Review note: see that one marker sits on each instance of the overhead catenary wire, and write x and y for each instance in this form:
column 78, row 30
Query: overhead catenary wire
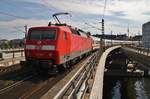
column 93, row 26
column 105, row 4
column 8, row 14
column 46, row 4
column 12, row 15
column 19, row 29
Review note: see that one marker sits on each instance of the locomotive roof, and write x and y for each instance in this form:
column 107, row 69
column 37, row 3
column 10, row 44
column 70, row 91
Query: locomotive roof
column 65, row 28
column 44, row 27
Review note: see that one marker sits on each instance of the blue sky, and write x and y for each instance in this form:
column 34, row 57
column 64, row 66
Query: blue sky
column 120, row 14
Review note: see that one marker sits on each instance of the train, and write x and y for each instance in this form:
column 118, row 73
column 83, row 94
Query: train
column 109, row 42
column 56, row 46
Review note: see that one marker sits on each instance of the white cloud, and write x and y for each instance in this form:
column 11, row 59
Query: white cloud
column 22, row 22
column 133, row 9
column 79, row 6
column 8, row 31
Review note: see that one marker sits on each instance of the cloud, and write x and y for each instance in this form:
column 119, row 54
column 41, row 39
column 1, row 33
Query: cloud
column 14, row 9
column 133, row 9
column 79, row 6
column 8, row 27
column 22, row 22
column 119, row 13
column 125, row 9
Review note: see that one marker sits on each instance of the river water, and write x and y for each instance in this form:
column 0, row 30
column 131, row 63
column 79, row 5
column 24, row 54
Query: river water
column 126, row 88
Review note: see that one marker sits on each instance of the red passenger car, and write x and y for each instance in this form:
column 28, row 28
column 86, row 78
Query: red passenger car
column 54, row 45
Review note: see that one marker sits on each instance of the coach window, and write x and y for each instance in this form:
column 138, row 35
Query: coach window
column 65, row 35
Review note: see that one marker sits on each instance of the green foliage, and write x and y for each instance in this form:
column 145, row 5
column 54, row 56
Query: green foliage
column 9, row 44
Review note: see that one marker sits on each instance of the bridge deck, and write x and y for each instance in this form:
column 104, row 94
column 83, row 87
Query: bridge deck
column 11, row 61
column 97, row 90
column 140, row 56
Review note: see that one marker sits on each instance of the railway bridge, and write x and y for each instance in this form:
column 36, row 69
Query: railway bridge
column 86, row 81
column 120, row 61
column 116, row 61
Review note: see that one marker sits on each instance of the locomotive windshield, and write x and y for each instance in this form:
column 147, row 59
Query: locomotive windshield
column 42, row 34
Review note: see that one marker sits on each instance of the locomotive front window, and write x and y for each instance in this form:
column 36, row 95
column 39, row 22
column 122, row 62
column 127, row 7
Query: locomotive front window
column 42, row 34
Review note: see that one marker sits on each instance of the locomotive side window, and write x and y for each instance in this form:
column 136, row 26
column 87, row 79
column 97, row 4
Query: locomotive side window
column 42, row 34
column 65, row 35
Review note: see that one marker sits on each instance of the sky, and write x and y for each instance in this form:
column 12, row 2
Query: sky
column 119, row 15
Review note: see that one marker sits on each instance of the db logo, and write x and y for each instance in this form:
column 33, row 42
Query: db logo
column 39, row 42
column 38, row 47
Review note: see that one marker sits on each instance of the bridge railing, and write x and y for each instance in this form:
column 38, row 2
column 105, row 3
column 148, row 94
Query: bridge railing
column 11, row 53
column 140, row 50
column 97, row 88
column 77, row 86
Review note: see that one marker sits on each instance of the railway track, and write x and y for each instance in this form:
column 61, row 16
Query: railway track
column 11, row 65
column 3, row 90
column 4, row 70
column 36, row 86
column 14, row 77
column 29, row 86
column 79, row 85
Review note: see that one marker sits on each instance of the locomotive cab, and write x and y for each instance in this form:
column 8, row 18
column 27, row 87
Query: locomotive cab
column 40, row 45
column 47, row 46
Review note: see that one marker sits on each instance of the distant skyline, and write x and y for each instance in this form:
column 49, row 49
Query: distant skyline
column 119, row 15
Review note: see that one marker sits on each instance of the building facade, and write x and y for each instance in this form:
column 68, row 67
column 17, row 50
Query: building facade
column 146, row 34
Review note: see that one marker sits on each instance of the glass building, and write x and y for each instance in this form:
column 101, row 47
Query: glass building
column 146, row 34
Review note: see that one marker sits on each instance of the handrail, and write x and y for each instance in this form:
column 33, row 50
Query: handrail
column 11, row 52
column 140, row 50
column 97, row 89
column 72, row 88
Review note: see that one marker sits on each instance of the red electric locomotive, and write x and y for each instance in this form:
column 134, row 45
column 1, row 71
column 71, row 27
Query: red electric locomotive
column 55, row 45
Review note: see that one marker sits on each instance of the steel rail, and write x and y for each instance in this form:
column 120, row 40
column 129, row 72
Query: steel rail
column 14, row 85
